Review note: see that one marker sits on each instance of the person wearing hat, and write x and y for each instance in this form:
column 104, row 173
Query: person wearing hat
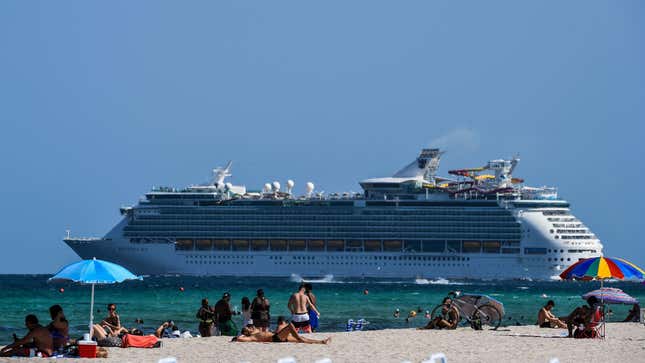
column 260, row 311
column 224, row 315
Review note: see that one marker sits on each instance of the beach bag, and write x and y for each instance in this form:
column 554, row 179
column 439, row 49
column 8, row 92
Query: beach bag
column 137, row 341
column 228, row 328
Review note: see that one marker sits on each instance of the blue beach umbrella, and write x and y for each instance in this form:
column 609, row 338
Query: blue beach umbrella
column 94, row 272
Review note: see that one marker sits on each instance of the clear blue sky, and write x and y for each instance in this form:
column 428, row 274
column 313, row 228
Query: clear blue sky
column 102, row 100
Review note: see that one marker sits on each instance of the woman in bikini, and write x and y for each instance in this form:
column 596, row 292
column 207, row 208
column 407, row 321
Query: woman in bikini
column 288, row 334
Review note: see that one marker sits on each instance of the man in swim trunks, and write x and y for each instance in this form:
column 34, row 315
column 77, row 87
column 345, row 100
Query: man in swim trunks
column 224, row 315
column 59, row 327
column 546, row 319
column 298, row 305
column 287, row 334
column 37, row 341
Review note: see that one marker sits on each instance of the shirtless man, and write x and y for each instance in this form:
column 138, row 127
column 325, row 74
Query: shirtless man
column 38, row 340
column 298, row 305
column 287, row 334
column 448, row 319
column 112, row 323
column 546, row 319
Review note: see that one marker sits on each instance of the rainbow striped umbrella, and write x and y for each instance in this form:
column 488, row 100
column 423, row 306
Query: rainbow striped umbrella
column 600, row 268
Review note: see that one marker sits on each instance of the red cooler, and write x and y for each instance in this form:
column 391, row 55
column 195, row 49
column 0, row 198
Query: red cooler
column 87, row 349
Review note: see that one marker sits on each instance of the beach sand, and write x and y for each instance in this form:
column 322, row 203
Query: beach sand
column 625, row 343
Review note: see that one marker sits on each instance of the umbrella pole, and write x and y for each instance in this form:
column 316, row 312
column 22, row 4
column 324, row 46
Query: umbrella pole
column 91, row 312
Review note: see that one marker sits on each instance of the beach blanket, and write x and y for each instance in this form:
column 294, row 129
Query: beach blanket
column 138, row 341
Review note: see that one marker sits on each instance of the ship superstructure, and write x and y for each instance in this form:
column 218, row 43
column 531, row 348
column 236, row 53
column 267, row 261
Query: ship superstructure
column 479, row 223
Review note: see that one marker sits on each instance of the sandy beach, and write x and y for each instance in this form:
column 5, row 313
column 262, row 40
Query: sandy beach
column 625, row 342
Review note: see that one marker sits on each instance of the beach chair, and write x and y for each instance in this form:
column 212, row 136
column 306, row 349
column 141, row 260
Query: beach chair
column 595, row 329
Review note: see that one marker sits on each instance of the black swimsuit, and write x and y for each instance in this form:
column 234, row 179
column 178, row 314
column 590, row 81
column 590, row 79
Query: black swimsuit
column 276, row 339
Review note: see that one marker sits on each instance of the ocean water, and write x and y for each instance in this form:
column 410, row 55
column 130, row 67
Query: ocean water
column 159, row 298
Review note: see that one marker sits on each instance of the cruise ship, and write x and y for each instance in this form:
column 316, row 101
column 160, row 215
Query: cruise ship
column 477, row 223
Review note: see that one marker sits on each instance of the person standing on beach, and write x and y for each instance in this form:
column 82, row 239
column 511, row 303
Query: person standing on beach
column 260, row 311
column 205, row 314
column 313, row 317
column 224, row 315
column 246, row 312
column 299, row 304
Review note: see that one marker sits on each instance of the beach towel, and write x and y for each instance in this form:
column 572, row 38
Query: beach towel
column 137, row 341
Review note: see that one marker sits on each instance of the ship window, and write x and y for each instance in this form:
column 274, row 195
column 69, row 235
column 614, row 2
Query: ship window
column 240, row 245
column 278, row 245
column 472, row 246
column 336, row 245
column 492, row 246
column 434, row 246
column 413, row 246
column 393, row 246
column 316, row 245
column 184, row 244
column 259, row 245
column 373, row 246
column 222, row 244
column 204, row 244
column 297, row 245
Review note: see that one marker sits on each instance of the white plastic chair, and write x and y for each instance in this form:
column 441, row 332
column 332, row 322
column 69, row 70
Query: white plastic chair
column 437, row 358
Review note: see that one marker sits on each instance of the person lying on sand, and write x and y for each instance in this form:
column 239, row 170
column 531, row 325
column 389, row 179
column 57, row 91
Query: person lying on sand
column 287, row 334
column 37, row 342
column 546, row 319
column 448, row 319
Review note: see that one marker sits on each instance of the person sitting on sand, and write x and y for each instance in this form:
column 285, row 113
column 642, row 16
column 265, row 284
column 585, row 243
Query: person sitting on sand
column 112, row 323
column 287, row 334
column 582, row 315
column 168, row 329
column 448, row 319
column 59, row 327
column 634, row 315
column 546, row 319
column 38, row 342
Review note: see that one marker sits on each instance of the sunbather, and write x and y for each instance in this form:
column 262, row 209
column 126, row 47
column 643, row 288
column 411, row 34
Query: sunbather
column 37, row 342
column 546, row 319
column 286, row 334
